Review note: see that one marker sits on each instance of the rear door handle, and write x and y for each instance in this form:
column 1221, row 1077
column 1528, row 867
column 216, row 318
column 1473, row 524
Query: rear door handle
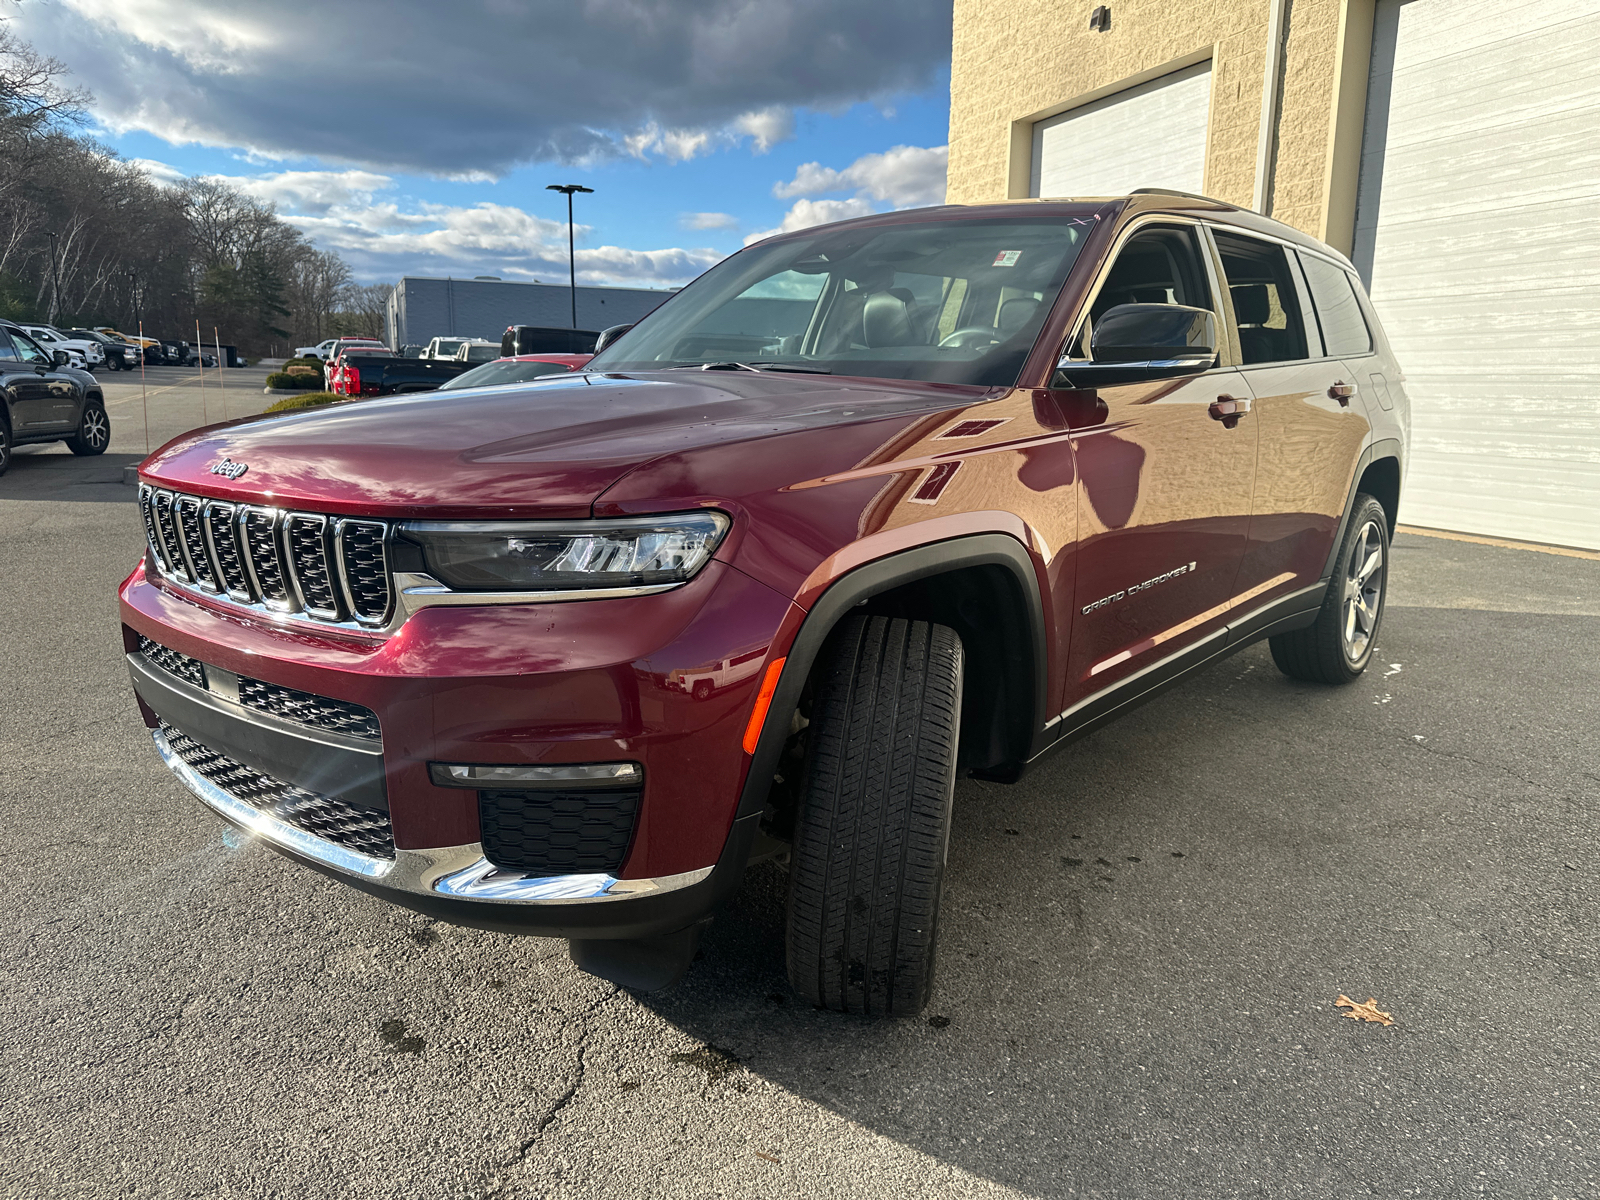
column 1228, row 410
column 1342, row 391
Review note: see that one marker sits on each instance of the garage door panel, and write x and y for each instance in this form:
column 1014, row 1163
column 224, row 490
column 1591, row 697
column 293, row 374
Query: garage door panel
column 1153, row 135
column 1477, row 231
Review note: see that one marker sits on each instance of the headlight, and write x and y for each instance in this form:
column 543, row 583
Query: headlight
column 554, row 555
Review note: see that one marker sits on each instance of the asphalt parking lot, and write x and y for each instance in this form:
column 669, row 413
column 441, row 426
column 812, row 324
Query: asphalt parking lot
column 1142, row 947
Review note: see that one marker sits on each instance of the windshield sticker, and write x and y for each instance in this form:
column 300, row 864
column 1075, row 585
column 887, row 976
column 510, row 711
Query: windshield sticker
column 1007, row 258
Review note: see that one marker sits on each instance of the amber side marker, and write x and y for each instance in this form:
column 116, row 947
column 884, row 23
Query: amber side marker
column 758, row 714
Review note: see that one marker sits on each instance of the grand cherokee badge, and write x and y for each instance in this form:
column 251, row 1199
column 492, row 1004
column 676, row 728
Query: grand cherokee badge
column 229, row 468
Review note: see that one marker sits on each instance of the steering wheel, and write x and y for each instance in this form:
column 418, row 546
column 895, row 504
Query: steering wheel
column 970, row 338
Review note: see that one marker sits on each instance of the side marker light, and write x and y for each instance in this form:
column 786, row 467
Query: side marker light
column 758, row 714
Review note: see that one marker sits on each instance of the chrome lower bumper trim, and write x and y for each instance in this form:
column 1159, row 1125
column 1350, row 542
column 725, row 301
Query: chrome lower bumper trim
column 459, row 872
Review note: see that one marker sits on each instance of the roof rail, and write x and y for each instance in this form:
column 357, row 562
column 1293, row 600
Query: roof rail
column 1185, row 195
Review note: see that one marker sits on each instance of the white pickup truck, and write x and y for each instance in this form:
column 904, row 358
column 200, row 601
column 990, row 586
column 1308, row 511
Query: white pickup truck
column 81, row 352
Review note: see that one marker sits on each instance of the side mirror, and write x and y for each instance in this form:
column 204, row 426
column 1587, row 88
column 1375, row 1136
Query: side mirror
column 60, row 357
column 607, row 336
column 1136, row 342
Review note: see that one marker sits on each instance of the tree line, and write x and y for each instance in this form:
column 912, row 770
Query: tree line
column 89, row 239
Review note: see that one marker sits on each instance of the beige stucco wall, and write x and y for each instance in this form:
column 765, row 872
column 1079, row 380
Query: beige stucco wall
column 1017, row 61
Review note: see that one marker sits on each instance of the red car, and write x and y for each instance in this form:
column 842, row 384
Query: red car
column 864, row 508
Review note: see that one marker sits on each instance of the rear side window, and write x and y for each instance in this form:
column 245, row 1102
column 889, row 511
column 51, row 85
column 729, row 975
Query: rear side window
column 1344, row 330
column 1265, row 302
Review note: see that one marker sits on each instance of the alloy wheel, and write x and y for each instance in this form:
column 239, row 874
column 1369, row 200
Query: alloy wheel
column 1363, row 592
column 96, row 430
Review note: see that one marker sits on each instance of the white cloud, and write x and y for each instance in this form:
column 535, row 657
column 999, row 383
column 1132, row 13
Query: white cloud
column 767, row 128
column 904, row 177
column 805, row 213
column 158, row 172
column 312, row 191
column 483, row 85
column 712, row 220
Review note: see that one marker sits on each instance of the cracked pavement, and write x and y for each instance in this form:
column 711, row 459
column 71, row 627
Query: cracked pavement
column 1142, row 945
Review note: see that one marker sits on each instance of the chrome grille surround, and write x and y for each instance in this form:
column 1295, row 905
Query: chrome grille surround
column 274, row 561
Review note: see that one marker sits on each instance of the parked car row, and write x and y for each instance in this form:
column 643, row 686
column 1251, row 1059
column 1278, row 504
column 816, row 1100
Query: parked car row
column 45, row 398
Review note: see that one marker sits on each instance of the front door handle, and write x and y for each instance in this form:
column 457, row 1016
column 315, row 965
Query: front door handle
column 1342, row 391
column 1228, row 410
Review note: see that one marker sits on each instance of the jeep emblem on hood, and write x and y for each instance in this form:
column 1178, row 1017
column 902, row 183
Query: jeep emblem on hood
column 229, row 468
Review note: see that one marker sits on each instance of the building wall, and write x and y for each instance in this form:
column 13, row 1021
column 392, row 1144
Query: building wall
column 1019, row 62
column 420, row 309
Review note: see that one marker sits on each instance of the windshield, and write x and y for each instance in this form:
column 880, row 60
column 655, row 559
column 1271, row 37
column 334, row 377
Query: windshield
column 948, row 301
column 505, row 371
column 482, row 354
column 447, row 346
column 89, row 335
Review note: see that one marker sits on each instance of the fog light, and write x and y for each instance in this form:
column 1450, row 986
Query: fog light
column 557, row 776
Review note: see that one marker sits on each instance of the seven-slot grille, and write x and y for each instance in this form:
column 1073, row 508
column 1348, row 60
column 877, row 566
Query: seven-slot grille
column 332, row 569
column 364, row 830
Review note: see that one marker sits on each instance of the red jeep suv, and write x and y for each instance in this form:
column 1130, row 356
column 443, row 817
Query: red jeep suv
column 863, row 508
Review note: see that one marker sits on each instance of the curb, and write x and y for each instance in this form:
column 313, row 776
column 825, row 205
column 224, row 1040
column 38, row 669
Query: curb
column 130, row 473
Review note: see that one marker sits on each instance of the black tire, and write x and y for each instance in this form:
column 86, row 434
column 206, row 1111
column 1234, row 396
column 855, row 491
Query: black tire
column 94, row 431
column 873, row 824
column 5, row 446
column 1339, row 645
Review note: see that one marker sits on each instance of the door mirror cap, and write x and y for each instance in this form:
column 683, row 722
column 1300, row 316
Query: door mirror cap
column 60, row 357
column 1134, row 342
column 607, row 336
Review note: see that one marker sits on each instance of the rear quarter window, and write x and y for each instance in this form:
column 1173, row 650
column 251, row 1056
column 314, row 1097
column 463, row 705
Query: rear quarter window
column 1344, row 329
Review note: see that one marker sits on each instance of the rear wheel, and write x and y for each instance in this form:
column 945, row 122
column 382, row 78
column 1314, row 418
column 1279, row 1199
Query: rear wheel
column 1337, row 648
column 873, row 824
column 94, row 431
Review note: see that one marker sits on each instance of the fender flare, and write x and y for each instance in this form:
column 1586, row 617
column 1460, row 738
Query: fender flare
column 1383, row 448
column 864, row 582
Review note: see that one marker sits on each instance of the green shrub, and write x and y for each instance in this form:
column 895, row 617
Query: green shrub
column 282, row 379
column 310, row 400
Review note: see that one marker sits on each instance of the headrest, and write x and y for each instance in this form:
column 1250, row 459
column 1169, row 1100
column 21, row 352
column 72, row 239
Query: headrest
column 1251, row 304
column 1015, row 313
column 886, row 318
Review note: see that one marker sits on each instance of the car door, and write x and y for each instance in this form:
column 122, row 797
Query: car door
column 1164, row 483
column 62, row 394
column 1311, row 433
column 28, row 399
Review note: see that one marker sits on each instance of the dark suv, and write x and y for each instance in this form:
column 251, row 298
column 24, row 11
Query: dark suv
column 43, row 399
column 864, row 508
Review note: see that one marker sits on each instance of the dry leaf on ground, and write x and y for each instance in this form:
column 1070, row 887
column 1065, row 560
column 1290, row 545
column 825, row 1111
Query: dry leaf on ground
column 1363, row 1012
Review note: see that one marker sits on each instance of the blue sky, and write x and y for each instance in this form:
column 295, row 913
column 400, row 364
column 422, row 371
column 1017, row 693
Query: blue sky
column 409, row 155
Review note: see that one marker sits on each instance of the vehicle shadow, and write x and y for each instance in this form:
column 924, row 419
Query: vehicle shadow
column 1095, row 918
column 46, row 473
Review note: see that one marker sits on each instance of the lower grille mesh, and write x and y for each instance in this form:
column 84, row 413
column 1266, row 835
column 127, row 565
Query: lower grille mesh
column 364, row 830
column 185, row 668
column 557, row 833
column 341, row 716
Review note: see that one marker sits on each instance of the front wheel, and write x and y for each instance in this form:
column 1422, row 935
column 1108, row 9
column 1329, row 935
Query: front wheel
column 873, row 824
column 94, row 431
column 1338, row 646
column 5, row 447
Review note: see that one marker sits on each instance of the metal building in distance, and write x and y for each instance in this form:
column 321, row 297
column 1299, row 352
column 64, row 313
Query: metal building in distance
column 420, row 309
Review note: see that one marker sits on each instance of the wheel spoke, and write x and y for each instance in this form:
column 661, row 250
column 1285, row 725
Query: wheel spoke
column 1374, row 561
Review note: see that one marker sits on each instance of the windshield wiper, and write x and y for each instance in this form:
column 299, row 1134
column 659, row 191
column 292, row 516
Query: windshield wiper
column 728, row 366
column 778, row 366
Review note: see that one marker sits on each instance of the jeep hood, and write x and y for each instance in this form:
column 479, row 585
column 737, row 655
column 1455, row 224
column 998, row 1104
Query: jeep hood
column 548, row 448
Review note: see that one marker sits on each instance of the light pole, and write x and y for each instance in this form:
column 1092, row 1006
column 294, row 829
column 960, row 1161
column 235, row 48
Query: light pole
column 55, row 281
column 572, row 262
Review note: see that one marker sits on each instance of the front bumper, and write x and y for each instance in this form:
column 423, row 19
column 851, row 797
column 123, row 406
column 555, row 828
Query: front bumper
column 515, row 685
column 457, row 884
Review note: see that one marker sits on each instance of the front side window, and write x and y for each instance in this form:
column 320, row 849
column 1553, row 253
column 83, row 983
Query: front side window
column 1344, row 329
column 29, row 351
column 1265, row 302
column 946, row 301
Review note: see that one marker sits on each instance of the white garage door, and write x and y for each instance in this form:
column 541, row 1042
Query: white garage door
column 1153, row 135
column 1478, row 230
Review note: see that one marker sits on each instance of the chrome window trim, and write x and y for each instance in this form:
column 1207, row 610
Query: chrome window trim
column 460, row 872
